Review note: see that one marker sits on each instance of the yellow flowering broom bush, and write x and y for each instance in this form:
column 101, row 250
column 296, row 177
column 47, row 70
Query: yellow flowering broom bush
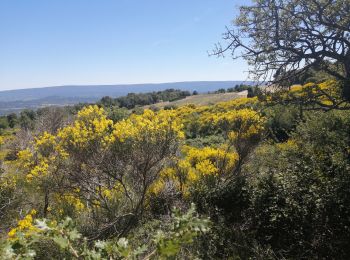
column 101, row 169
column 326, row 95
column 199, row 165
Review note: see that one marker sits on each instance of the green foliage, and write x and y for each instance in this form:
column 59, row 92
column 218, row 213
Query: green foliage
column 142, row 99
column 281, row 121
column 70, row 244
column 12, row 120
column 108, row 102
column 26, row 119
column 221, row 90
column 9, row 199
column 170, row 107
column 300, row 203
column 3, row 123
column 210, row 140
column 117, row 114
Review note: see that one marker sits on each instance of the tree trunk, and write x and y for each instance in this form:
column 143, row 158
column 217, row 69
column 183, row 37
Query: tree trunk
column 46, row 204
column 346, row 83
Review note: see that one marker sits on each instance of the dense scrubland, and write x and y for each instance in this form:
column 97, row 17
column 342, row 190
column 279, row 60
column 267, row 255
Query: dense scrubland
column 260, row 177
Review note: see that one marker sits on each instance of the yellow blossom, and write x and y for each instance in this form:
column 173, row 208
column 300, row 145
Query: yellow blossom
column 90, row 126
column 24, row 225
column 149, row 126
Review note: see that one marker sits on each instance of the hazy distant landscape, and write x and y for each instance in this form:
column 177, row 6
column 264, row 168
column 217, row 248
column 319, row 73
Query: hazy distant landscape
column 19, row 99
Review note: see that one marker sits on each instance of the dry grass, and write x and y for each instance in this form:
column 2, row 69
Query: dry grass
column 203, row 99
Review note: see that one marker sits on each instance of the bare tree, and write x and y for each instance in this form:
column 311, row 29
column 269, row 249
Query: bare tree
column 281, row 39
column 50, row 119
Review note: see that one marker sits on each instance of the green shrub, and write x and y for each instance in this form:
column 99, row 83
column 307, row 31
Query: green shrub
column 64, row 240
column 299, row 190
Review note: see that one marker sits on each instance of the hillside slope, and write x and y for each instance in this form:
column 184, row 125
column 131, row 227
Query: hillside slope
column 203, row 99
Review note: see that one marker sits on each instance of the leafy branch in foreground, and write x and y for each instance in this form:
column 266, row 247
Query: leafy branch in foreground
column 167, row 244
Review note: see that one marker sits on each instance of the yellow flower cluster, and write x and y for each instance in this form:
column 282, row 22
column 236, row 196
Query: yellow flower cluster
column 169, row 174
column 90, row 126
column 113, row 192
column 312, row 87
column 1, row 140
column 207, row 161
column 25, row 155
column 24, row 225
column 185, row 112
column 244, row 123
column 290, row 144
column 149, row 125
column 34, row 167
column 45, row 144
column 41, row 169
column 8, row 182
column 235, row 115
column 90, row 112
column 297, row 88
column 325, row 92
column 72, row 200
column 25, row 159
column 157, row 186
column 198, row 164
column 45, row 139
column 238, row 103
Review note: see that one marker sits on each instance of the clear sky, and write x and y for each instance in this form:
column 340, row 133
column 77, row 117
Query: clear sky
column 63, row 42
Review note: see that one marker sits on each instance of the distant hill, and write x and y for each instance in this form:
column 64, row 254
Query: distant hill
column 16, row 100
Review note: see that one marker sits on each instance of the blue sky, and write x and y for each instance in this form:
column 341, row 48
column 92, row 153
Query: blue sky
column 63, row 42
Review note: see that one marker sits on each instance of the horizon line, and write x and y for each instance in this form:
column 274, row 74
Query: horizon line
column 123, row 84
